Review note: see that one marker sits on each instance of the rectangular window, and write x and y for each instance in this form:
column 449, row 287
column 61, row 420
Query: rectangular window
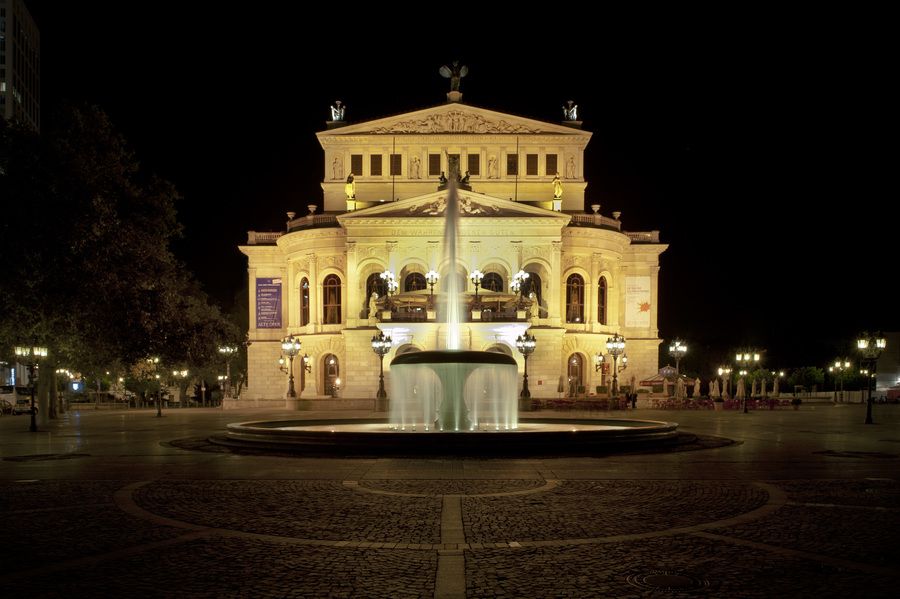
column 356, row 164
column 473, row 161
column 531, row 164
column 512, row 164
column 396, row 167
column 550, row 163
column 434, row 165
column 375, row 165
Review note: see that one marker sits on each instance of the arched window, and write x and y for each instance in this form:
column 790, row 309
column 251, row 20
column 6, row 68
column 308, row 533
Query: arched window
column 533, row 285
column 414, row 282
column 575, row 299
column 304, row 302
column 492, row 282
column 374, row 284
column 601, row 301
column 331, row 302
column 331, row 370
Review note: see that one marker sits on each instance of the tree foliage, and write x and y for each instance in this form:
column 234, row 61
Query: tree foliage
column 85, row 241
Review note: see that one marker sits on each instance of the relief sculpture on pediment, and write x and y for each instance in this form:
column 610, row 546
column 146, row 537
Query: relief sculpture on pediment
column 455, row 121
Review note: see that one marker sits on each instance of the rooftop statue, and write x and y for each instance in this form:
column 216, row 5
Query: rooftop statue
column 454, row 75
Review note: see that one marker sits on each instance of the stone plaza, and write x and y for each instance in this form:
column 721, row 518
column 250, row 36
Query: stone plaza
column 768, row 504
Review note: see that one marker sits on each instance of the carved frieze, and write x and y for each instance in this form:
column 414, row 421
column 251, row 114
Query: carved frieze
column 455, row 121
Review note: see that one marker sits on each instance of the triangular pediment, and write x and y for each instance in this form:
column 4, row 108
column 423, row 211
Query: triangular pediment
column 471, row 205
column 453, row 118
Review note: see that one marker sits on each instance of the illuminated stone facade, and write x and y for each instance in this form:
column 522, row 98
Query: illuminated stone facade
column 588, row 279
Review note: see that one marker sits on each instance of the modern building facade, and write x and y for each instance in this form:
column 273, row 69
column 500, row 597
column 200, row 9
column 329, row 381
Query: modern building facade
column 521, row 196
column 20, row 65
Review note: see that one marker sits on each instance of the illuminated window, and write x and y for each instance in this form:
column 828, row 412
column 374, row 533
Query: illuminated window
column 492, row 282
column 331, row 369
column 531, row 164
column 331, row 289
column 601, row 301
column 375, row 165
column 575, row 299
column 304, row 302
column 414, row 282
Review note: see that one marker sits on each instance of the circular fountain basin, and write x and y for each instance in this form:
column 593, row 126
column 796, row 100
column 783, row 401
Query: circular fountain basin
column 530, row 437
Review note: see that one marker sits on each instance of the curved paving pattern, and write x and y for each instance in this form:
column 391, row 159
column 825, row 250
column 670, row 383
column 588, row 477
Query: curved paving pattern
column 453, row 538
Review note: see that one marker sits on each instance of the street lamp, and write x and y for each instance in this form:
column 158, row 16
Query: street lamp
column 526, row 345
column 153, row 367
column 870, row 349
column 476, row 277
column 228, row 352
column 432, row 278
column 616, row 346
column 747, row 360
column 290, row 347
column 30, row 356
column 180, row 374
column 840, row 366
column 381, row 345
column 677, row 351
column 725, row 374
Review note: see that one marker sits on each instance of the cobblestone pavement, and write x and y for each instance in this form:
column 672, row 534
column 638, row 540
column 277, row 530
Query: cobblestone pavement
column 803, row 505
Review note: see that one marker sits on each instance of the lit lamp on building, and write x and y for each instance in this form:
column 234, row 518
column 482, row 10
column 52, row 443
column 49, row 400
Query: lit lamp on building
column 677, row 350
column 870, row 348
column 839, row 366
column 381, row 345
column 290, row 347
column 746, row 362
column 30, row 356
column 476, row 277
column 228, row 352
column 616, row 347
column 525, row 344
column 432, row 278
column 518, row 284
column 390, row 284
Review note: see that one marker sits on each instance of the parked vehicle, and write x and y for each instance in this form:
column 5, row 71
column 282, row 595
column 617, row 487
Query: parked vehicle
column 15, row 395
column 5, row 407
column 23, row 406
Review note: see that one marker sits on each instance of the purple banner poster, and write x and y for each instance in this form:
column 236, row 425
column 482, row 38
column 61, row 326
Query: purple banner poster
column 268, row 303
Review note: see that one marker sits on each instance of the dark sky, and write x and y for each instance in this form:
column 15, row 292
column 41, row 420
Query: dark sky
column 757, row 146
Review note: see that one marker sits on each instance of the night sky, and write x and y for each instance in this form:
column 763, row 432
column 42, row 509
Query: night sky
column 757, row 147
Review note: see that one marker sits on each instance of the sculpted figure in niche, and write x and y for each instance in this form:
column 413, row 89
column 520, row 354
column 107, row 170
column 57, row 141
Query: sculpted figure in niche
column 337, row 169
column 493, row 172
column 414, row 168
column 570, row 168
column 373, row 309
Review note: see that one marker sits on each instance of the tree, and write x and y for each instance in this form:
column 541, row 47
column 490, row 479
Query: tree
column 85, row 242
column 806, row 376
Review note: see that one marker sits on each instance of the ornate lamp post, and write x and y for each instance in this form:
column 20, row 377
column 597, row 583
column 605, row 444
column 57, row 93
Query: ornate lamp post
column 290, row 347
column 153, row 366
column 870, row 349
column 476, row 277
column 180, row 374
column 432, row 278
column 746, row 361
column 30, row 356
column 228, row 352
column 839, row 366
column 616, row 346
column 677, row 350
column 381, row 345
column 526, row 345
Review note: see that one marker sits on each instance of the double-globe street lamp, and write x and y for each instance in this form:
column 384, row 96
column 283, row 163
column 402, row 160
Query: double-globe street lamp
column 290, row 347
column 870, row 348
column 746, row 362
column 381, row 345
column 839, row 366
column 616, row 347
column 30, row 356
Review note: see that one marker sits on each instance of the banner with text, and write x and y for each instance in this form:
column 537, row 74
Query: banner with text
column 637, row 302
column 268, row 303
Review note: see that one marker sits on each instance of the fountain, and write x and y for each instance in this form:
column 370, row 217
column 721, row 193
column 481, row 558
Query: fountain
column 453, row 390
column 465, row 400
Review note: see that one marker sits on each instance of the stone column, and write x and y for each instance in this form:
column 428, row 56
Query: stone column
column 315, row 292
column 557, row 285
column 352, row 284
